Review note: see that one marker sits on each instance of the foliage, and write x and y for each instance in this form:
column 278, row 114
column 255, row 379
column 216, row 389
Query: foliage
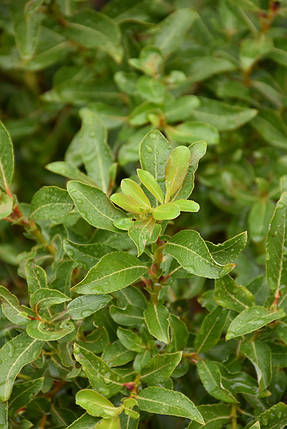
column 117, row 311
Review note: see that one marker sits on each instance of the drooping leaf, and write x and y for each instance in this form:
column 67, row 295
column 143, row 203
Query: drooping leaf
column 14, row 355
column 113, row 272
column 252, row 319
column 157, row 321
column 191, row 252
column 93, row 205
column 158, row 400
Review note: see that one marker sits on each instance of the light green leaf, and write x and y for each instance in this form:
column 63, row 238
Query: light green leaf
column 151, row 184
column 128, row 203
column 84, row 306
column 84, row 422
column 176, row 170
column 154, row 153
column 211, row 378
column 166, row 211
column 113, row 272
column 51, row 203
column 23, row 393
column 127, row 422
column 96, row 404
column 160, row 368
column 42, row 331
column 158, row 400
column 255, row 426
column 260, row 356
column 229, row 294
column 169, row 34
column 252, row 50
column 229, row 250
column 6, row 205
column 95, row 30
column 187, row 206
column 113, row 423
column 191, row 252
column 275, row 245
column 252, row 319
column 6, row 157
column 216, row 416
column 26, row 19
column 133, row 189
column 143, row 233
column 93, row 205
column 223, row 116
column 211, row 330
column 157, row 321
column 14, row 355
column 45, row 298
column 105, row 380
column 192, row 131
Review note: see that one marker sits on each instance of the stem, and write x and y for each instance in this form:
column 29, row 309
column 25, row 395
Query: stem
column 233, row 417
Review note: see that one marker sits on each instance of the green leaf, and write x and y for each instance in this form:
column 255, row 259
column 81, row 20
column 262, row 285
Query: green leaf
column 26, row 19
column 133, row 189
column 275, row 241
column 23, row 393
column 84, row 422
column 252, row 50
column 151, row 184
column 180, row 109
column 45, row 298
column 42, row 331
column 95, row 30
column 203, row 66
column 169, row 34
column 130, row 315
column 211, row 330
column 197, row 151
column 130, row 340
column 96, row 404
column 271, row 127
column 176, row 170
column 158, row 400
column 179, row 333
column 6, row 157
column 14, row 355
column 105, row 380
column 166, row 211
column 192, row 131
column 227, row 252
column 191, row 252
column 36, row 277
column 127, row 422
column 6, row 205
column 128, row 203
column 229, row 294
column 11, row 307
column 211, row 378
column 154, row 153
column 187, row 206
column 113, row 272
column 150, row 89
column 86, row 255
column 143, row 233
column 255, row 426
column 93, row 205
column 275, row 417
column 223, row 116
column 68, row 170
column 260, row 356
column 252, row 319
column 116, row 354
column 3, row 415
column 91, row 148
column 160, row 368
column 216, row 416
column 84, row 306
column 51, row 203
column 113, row 423
column 157, row 321
column 259, row 218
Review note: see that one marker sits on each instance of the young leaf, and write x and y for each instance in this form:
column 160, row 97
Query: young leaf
column 159, row 400
column 84, row 306
column 229, row 294
column 187, row 206
column 144, row 232
column 96, row 404
column 176, row 170
column 112, row 423
column 227, row 252
column 133, row 189
column 15, row 354
column 211, row 378
column 191, row 252
column 6, row 205
column 275, row 245
column 211, row 330
column 252, row 319
column 51, row 203
column 160, row 368
column 113, row 272
column 93, row 205
column 128, row 203
column 151, row 184
column 101, row 377
column 157, row 321
column 6, row 157
column 166, row 211
column 260, row 356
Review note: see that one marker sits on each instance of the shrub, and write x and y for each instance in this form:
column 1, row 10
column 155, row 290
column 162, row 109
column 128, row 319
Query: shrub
column 118, row 311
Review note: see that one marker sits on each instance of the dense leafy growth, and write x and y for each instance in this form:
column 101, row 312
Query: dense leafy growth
column 136, row 291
